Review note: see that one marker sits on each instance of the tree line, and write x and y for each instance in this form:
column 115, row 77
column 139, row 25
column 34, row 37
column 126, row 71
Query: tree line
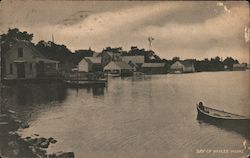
column 61, row 53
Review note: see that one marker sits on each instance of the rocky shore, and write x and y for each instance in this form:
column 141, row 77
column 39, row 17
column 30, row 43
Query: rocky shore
column 14, row 146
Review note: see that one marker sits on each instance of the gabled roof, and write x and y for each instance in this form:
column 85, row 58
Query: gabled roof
column 135, row 59
column 153, row 65
column 35, row 52
column 123, row 65
column 94, row 60
column 118, row 65
column 187, row 63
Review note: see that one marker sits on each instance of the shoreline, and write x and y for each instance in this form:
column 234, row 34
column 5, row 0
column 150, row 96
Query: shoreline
column 13, row 145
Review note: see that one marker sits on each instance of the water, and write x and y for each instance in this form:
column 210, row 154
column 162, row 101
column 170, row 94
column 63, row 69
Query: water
column 150, row 117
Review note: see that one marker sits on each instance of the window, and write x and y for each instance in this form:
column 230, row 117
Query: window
column 20, row 52
column 11, row 69
column 30, row 67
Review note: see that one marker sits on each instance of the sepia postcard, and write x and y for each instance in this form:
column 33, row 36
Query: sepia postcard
column 124, row 79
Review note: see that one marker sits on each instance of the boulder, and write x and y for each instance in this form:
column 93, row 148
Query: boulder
column 40, row 140
column 44, row 144
column 52, row 140
column 24, row 125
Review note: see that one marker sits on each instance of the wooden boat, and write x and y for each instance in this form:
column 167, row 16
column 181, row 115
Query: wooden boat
column 222, row 118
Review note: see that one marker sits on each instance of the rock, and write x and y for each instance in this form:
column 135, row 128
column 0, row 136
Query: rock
column 12, row 133
column 24, row 125
column 17, row 121
column 53, row 141
column 36, row 134
column 44, row 144
column 62, row 155
column 40, row 140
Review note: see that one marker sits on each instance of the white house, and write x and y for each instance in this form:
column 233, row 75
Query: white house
column 90, row 64
column 182, row 67
column 23, row 60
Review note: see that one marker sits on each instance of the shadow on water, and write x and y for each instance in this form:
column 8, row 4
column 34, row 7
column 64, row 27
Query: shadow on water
column 24, row 98
column 236, row 128
column 94, row 89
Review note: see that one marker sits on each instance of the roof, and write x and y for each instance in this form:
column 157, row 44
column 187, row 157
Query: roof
column 135, row 59
column 35, row 52
column 96, row 54
column 153, row 65
column 116, row 65
column 239, row 65
column 123, row 65
column 94, row 60
column 187, row 63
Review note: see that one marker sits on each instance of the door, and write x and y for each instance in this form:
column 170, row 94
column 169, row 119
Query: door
column 20, row 70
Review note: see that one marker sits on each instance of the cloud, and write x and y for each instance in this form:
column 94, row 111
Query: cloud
column 185, row 29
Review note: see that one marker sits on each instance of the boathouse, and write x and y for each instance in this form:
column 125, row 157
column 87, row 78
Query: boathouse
column 185, row 66
column 239, row 67
column 154, row 68
column 121, row 68
column 90, row 64
column 24, row 61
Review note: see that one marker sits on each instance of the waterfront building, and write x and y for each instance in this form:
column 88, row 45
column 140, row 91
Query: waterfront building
column 108, row 56
column 24, row 61
column 185, row 66
column 239, row 67
column 153, row 68
column 90, row 64
column 120, row 68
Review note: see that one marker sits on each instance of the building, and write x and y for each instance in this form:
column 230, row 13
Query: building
column 153, row 68
column 24, row 61
column 182, row 67
column 239, row 67
column 139, row 59
column 134, row 61
column 90, row 64
column 120, row 68
column 108, row 56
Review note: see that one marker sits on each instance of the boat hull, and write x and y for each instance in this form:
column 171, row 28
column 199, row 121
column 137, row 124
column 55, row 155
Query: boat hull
column 239, row 125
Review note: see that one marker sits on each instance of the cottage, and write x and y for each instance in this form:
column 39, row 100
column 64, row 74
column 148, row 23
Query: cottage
column 90, row 64
column 239, row 67
column 153, row 68
column 118, row 68
column 24, row 61
column 182, row 67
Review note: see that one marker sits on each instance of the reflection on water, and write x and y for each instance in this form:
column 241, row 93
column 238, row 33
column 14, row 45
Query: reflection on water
column 152, row 116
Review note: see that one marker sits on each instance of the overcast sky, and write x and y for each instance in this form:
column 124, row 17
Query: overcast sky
column 185, row 29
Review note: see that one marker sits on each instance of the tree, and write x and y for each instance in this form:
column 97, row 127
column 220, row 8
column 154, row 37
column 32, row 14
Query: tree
column 13, row 35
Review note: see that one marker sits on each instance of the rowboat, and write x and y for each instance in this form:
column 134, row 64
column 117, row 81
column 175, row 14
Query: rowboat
column 222, row 118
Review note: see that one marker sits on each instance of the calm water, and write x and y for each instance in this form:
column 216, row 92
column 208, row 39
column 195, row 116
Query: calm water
column 150, row 117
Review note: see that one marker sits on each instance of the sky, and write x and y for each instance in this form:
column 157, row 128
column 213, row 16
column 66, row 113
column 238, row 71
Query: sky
column 187, row 29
